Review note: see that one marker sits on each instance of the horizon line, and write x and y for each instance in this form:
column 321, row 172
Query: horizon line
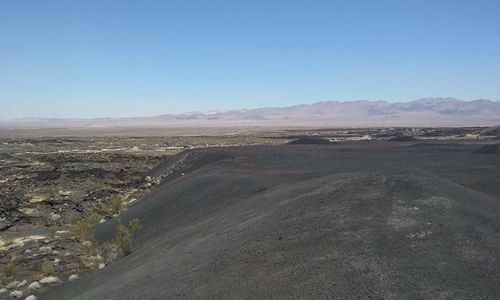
column 215, row 110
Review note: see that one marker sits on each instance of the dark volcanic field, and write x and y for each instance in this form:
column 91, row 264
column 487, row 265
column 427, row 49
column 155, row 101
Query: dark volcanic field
column 392, row 220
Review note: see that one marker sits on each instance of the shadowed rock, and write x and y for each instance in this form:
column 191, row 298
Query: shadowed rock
column 404, row 138
column 489, row 149
column 309, row 140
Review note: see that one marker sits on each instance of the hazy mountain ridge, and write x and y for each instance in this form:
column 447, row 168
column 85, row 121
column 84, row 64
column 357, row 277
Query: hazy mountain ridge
column 422, row 112
column 328, row 109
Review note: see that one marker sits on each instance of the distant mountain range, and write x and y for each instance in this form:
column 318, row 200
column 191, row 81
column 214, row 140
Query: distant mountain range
column 446, row 110
column 423, row 112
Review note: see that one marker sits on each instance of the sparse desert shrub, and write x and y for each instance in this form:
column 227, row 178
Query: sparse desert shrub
column 90, row 249
column 116, row 204
column 44, row 194
column 47, row 268
column 125, row 235
column 51, row 233
column 124, row 239
column 84, row 227
column 134, row 226
column 77, row 200
column 7, row 240
column 10, row 269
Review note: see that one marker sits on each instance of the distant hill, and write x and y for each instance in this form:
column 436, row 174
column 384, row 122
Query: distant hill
column 423, row 112
column 435, row 110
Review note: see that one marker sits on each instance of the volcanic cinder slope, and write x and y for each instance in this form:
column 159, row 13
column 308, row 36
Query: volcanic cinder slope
column 360, row 220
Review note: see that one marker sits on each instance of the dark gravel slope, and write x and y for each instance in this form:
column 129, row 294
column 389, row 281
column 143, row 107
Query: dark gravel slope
column 365, row 220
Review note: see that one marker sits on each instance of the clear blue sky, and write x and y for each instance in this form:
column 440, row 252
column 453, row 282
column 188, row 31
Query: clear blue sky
column 132, row 58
